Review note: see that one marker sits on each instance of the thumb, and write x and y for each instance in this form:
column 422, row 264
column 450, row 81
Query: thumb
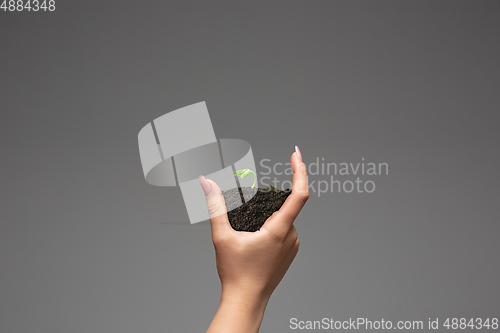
column 216, row 208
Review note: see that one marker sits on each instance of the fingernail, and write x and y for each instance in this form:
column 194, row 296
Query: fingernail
column 297, row 151
column 205, row 185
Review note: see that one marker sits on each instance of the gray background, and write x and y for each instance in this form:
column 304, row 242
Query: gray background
column 85, row 242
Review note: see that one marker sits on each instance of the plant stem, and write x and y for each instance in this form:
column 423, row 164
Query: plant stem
column 245, row 172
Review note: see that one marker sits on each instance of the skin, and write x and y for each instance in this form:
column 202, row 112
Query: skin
column 252, row 264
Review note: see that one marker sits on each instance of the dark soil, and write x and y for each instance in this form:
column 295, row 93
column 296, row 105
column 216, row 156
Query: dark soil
column 251, row 215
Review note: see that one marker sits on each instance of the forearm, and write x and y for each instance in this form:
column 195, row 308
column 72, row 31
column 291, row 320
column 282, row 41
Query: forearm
column 238, row 313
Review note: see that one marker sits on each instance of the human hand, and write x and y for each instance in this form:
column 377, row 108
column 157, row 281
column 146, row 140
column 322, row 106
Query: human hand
column 251, row 264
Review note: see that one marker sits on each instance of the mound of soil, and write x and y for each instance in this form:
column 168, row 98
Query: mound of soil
column 252, row 214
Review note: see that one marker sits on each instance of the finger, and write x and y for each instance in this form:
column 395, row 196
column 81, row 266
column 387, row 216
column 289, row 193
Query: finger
column 300, row 190
column 216, row 209
column 280, row 222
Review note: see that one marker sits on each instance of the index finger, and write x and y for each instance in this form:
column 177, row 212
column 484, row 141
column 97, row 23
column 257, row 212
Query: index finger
column 283, row 219
column 300, row 189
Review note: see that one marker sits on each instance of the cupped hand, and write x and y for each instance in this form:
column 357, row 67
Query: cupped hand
column 251, row 264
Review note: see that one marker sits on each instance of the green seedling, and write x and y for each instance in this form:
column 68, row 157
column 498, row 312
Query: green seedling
column 245, row 172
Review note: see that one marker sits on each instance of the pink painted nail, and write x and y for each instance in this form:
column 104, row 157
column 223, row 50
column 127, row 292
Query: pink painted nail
column 207, row 189
column 297, row 151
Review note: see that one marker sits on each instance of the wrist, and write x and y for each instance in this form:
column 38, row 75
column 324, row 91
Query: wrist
column 250, row 300
column 238, row 312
